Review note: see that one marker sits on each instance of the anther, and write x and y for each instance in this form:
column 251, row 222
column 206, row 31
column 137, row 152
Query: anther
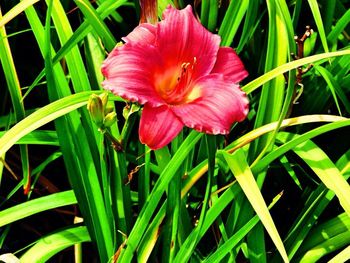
column 194, row 62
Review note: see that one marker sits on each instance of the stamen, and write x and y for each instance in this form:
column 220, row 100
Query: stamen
column 194, row 62
column 181, row 89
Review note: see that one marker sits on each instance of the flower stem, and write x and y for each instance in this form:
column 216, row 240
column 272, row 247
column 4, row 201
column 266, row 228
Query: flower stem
column 117, row 145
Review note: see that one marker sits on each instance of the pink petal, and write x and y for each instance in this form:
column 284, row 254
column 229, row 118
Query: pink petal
column 144, row 33
column 129, row 73
column 229, row 64
column 181, row 39
column 158, row 126
column 220, row 105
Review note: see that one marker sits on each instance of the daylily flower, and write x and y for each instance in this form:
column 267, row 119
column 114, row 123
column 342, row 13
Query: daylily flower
column 181, row 75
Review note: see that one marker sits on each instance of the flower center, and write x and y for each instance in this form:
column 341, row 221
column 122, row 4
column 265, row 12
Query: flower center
column 175, row 84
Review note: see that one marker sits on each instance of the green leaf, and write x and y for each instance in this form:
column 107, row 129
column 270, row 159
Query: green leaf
column 229, row 244
column 343, row 256
column 240, row 168
column 327, row 238
column 209, row 14
column 319, row 23
column 262, row 164
column 335, row 89
column 156, row 194
column 326, row 231
column 14, row 87
column 215, row 210
column 35, row 206
column 195, row 236
column 325, row 169
column 256, row 83
column 317, row 201
column 16, row 10
column 38, row 137
column 97, row 23
column 43, row 116
column 50, row 245
column 232, row 19
column 252, row 135
column 339, row 27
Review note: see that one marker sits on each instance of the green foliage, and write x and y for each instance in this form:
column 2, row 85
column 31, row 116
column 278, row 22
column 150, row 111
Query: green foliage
column 202, row 198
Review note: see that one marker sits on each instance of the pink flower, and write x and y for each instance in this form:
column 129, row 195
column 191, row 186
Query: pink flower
column 181, row 75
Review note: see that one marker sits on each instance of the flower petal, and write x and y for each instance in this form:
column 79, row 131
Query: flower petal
column 220, row 104
column 129, row 73
column 229, row 64
column 144, row 33
column 158, row 126
column 182, row 39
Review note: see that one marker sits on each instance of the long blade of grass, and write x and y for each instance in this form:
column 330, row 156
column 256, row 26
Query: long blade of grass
column 95, row 54
column 329, row 15
column 250, row 24
column 239, row 167
column 43, row 116
column 209, row 14
column 96, row 22
column 325, row 231
column 232, row 19
column 250, row 136
column 14, row 87
column 173, row 217
column 339, row 27
column 336, row 90
column 105, row 9
column 325, row 169
column 156, row 194
column 342, row 256
column 319, row 23
column 256, row 83
column 326, row 247
column 315, row 204
column 272, row 94
column 227, row 246
column 38, row 138
column 16, row 10
column 35, row 206
column 282, row 11
column 193, row 239
column 50, row 245
column 150, row 238
column 262, row 164
column 81, row 169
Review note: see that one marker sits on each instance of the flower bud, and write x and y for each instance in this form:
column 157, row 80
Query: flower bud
column 95, row 107
column 110, row 119
column 104, row 99
column 108, row 110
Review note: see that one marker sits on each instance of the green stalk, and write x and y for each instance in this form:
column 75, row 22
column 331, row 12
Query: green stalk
column 173, row 215
column 14, row 88
column 156, row 195
column 144, row 180
column 192, row 240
